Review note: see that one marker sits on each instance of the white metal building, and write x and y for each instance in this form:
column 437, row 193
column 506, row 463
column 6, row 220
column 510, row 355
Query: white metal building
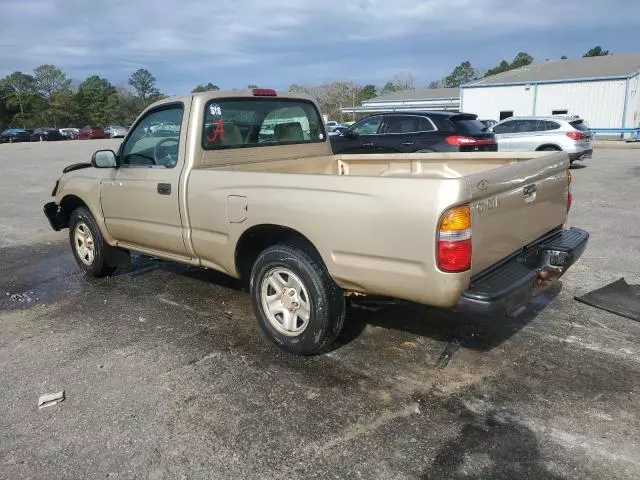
column 605, row 91
column 416, row 99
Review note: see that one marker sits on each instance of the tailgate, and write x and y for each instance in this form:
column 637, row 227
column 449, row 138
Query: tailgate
column 514, row 205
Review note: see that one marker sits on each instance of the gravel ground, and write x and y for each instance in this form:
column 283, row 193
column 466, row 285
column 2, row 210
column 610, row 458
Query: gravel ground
column 167, row 374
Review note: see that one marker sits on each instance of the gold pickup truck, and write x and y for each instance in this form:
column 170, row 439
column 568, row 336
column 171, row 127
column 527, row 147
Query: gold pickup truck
column 245, row 183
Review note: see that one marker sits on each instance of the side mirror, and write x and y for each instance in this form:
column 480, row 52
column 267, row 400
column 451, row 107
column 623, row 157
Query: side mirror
column 104, row 159
column 348, row 133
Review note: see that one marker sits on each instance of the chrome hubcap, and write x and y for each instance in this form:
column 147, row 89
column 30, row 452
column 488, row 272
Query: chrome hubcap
column 285, row 301
column 83, row 241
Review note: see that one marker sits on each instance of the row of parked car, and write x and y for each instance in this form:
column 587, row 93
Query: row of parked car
column 425, row 132
column 50, row 134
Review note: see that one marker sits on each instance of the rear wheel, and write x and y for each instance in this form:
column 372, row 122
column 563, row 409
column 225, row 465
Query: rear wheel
column 296, row 302
column 549, row 148
column 88, row 244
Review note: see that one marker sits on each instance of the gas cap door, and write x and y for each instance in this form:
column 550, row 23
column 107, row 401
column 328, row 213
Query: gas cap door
column 236, row 208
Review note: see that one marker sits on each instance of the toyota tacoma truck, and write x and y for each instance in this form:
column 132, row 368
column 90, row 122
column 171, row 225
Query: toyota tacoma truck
column 245, row 182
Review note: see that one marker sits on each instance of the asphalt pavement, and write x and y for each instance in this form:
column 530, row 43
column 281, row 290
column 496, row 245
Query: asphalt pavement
column 167, row 374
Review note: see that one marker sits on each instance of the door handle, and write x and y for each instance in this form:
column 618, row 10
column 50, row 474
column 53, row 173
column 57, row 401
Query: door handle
column 406, row 144
column 164, row 188
column 369, row 144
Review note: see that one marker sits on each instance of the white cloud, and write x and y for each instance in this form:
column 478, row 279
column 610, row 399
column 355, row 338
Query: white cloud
column 117, row 36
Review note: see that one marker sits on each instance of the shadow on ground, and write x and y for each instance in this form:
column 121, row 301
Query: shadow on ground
column 47, row 270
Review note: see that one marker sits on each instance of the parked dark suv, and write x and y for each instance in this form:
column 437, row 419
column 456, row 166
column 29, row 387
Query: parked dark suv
column 410, row 132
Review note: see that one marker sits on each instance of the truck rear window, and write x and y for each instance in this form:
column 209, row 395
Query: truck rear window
column 255, row 122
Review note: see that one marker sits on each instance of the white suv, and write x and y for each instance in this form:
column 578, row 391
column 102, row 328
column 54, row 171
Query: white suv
column 527, row 134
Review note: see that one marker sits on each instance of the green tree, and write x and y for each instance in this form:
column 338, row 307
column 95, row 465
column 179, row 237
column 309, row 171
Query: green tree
column 123, row 106
column 400, row 81
column 205, row 88
column 144, row 84
column 520, row 60
column 503, row 66
column 68, row 110
column 48, row 81
column 563, row 57
column 460, row 75
column 366, row 92
column 92, row 99
column 389, row 87
column 19, row 86
column 596, row 52
column 435, row 84
column 251, row 86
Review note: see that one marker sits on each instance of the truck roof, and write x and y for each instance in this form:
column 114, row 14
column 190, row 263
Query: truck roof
column 246, row 93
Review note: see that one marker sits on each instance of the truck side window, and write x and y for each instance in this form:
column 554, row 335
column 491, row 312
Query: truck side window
column 231, row 123
column 155, row 140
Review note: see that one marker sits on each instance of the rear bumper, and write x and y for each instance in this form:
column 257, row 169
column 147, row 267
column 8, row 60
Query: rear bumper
column 581, row 155
column 511, row 284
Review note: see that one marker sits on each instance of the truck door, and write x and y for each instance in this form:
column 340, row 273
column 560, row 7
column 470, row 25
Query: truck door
column 141, row 204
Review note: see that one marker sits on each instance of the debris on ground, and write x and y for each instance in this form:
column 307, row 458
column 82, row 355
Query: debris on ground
column 50, row 399
column 21, row 297
column 448, row 353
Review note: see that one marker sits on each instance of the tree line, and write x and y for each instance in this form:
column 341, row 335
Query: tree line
column 465, row 72
column 49, row 97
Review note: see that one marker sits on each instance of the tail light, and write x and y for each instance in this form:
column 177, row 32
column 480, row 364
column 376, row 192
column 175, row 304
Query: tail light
column 454, row 240
column 569, row 196
column 460, row 141
column 264, row 92
column 575, row 135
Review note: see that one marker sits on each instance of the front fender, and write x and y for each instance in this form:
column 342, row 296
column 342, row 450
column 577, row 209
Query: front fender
column 78, row 188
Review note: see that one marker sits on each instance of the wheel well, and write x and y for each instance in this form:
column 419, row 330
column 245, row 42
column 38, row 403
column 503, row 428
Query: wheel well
column 548, row 146
column 257, row 238
column 68, row 204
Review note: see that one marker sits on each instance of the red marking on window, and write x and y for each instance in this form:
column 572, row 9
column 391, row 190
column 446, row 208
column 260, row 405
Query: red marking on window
column 217, row 132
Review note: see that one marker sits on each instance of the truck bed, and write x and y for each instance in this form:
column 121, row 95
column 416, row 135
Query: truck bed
column 430, row 165
column 389, row 196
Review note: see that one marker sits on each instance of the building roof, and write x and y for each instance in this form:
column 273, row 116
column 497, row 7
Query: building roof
column 417, row 94
column 609, row 66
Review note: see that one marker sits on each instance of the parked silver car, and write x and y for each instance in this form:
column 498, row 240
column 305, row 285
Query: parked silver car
column 115, row 131
column 526, row 134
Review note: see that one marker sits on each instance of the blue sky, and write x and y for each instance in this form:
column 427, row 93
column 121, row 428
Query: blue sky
column 274, row 43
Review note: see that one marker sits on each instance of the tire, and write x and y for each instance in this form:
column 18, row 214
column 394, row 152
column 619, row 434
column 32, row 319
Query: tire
column 290, row 266
column 87, row 244
column 549, row 149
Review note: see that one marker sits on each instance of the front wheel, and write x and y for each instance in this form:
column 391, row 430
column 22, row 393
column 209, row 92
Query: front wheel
column 88, row 244
column 296, row 302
